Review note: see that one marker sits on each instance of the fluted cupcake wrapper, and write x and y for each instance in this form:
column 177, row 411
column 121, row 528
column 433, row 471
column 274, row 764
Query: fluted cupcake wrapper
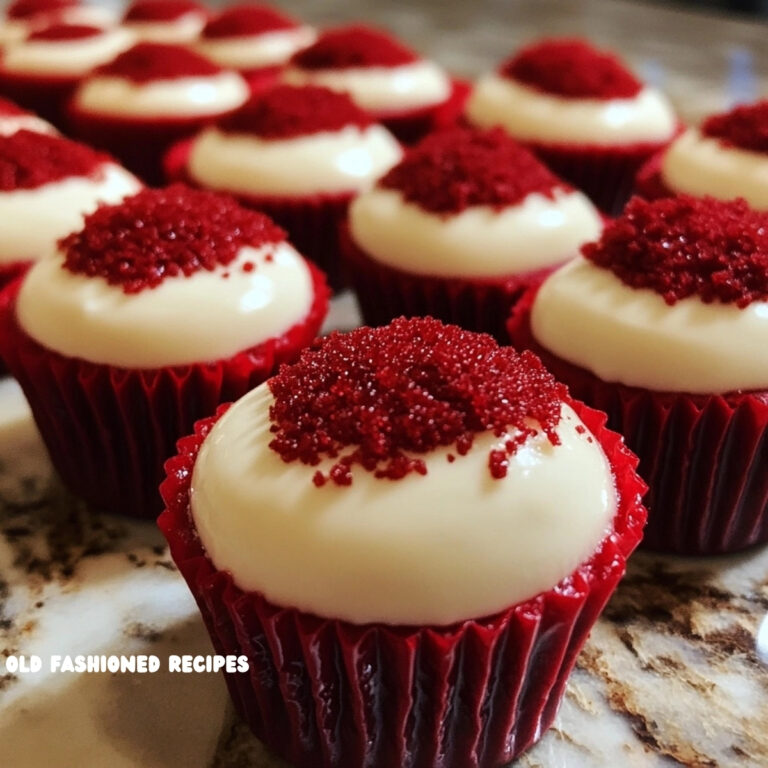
column 385, row 293
column 331, row 694
column 649, row 182
column 109, row 430
column 704, row 457
column 46, row 96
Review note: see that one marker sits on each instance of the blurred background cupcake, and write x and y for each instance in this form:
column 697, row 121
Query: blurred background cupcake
column 25, row 16
column 166, row 21
column 13, row 118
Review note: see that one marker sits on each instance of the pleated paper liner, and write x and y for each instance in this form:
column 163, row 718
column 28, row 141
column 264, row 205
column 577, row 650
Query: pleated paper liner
column 109, row 430
column 384, row 293
column 704, row 457
column 649, row 182
column 414, row 124
column 45, row 95
column 311, row 221
column 139, row 143
column 330, row 694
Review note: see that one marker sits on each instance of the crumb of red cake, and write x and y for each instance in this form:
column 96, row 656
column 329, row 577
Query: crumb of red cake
column 29, row 160
column 63, row 32
column 287, row 111
column 686, row 246
column 243, row 20
column 382, row 398
column 572, row 69
column 162, row 10
column 146, row 62
column 745, row 127
column 26, row 9
column 162, row 233
column 460, row 167
column 9, row 109
column 354, row 46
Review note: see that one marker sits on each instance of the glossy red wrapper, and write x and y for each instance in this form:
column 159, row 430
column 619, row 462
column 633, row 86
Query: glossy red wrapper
column 109, row 430
column 649, row 182
column 46, row 96
column 324, row 693
column 704, row 457
column 385, row 293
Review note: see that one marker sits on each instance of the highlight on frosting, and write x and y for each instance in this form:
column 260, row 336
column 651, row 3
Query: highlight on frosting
column 379, row 399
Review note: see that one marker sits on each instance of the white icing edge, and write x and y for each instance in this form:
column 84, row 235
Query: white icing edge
column 255, row 51
column 201, row 318
column 528, row 115
column 480, row 241
column 381, row 89
column 34, row 219
column 425, row 550
column 346, row 160
column 10, row 124
column 182, row 97
column 589, row 317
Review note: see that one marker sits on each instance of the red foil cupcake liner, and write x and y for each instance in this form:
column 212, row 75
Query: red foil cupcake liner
column 109, row 430
column 329, row 694
column 649, row 182
column 412, row 125
column 312, row 221
column 45, row 96
column 385, row 293
column 606, row 174
column 139, row 143
column 704, row 457
column 8, row 273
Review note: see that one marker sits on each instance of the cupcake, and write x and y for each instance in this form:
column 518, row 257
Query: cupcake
column 165, row 21
column 41, row 72
column 581, row 111
column 156, row 311
column 256, row 40
column 13, row 118
column 727, row 157
column 47, row 184
column 459, row 229
column 150, row 96
column 25, row 16
column 671, row 313
column 298, row 153
column 415, row 545
column 408, row 94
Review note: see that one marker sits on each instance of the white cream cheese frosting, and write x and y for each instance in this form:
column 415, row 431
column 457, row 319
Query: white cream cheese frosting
column 268, row 49
column 481, row 241
column 529, row 115
column 349, row 159
column 702, row 165
column 65, row 57
column 452, row 545
column 10, row 124
column 381, row 89
column 34, row 219
column 589, row 317
column 208, row 316
column 179, row 97
column 183, row 29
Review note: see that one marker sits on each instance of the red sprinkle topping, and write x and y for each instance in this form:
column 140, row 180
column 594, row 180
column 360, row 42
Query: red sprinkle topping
column 29, row 159
column 160, row 233
column 162, row 10
column 286, row 111
column 744, row 127
column 354, row 46
column 459, row 167
column 242, row 20
column 26, row 9
column 374, row 397
column 685, row 246
column 146, row 62
column 572, row 69
column 9, row 109
column 62, row 32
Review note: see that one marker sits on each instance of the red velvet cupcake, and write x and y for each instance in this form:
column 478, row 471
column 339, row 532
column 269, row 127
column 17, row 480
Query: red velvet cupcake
column 257, row 40
column 150, row 97
column 25, row 16
column 459, row 229
column 47, row 185
column 726, row 157
column 144, row 321
column 300, row 154
column 166, row 21
column 581, row 111
column 409, row 95
column 671, row 316
column 439, row 526
column 13, row 118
